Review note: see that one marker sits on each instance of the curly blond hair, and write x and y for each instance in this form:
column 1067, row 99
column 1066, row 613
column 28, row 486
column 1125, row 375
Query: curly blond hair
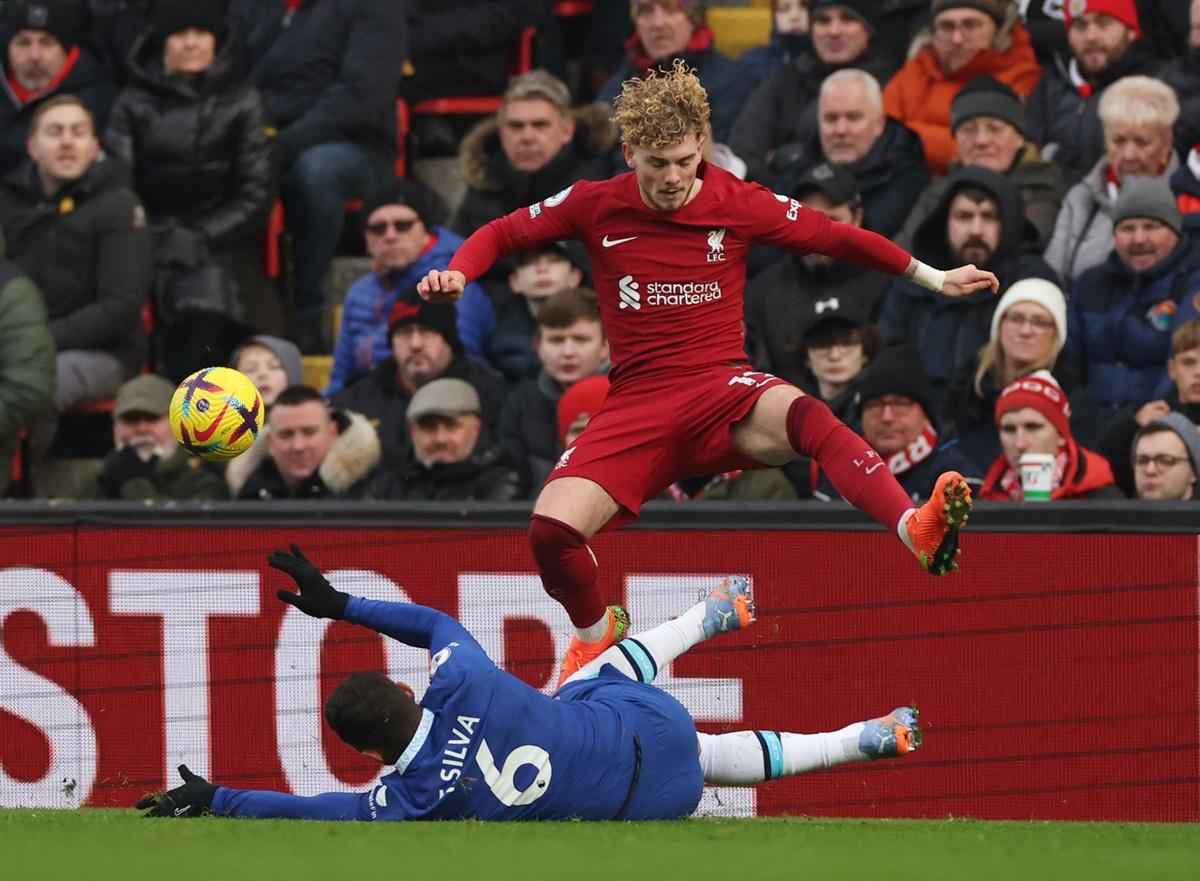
column 662, row 109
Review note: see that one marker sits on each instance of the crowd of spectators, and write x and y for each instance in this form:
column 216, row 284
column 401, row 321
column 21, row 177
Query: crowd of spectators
column 145, row 145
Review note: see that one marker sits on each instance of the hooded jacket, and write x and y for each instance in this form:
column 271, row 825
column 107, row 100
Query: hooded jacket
column 1087, row 476
column 87, row 249
column 344, row 473
column 1120, row 323
column 919, row 95
column 948, row 331
column 485, row 476
column 495, row 188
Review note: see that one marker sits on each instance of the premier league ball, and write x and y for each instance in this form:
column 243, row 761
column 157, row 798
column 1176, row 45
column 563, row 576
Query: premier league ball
column 216, row 413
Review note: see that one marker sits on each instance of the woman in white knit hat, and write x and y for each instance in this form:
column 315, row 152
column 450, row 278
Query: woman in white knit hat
column 1029, row 328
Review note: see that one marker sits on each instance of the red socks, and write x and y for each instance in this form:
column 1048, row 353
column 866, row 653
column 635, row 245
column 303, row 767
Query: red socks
column 854, row 469
column 567, row 567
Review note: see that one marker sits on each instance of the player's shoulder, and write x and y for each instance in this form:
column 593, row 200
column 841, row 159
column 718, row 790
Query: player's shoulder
column 740, row 200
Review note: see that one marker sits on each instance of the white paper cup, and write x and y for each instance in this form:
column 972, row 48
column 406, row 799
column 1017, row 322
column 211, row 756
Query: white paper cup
column 1037, row 476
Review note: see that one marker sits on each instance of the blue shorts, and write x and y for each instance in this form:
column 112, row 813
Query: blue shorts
column 670, row 781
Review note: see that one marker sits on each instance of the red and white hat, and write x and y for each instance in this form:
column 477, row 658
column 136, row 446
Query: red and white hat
column 1124, row 11
column 1040, row 391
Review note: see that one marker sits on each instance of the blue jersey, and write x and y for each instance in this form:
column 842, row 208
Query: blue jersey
column 490, row 747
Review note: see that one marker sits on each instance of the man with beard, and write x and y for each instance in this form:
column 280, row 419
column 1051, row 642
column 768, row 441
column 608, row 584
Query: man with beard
column 980, row 219
column 147, row 463
column 781, row 299
column 425, row 346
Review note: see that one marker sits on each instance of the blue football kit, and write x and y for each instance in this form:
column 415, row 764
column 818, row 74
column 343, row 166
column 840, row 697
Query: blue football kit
column 490, row 747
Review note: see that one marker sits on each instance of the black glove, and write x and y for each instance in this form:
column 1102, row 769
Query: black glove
column 180, row 246
column 123, row 467
column 317, row 596
column 193, row 799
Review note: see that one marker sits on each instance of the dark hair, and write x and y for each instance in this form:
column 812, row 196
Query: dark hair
column 295, row 395
column 567, row 307
column 829, row 332
column 364, row 708
column 976, row 194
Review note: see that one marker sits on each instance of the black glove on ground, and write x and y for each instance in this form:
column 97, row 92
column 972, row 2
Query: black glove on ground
column 125, row 466
column 193, row 799
column 317, row 596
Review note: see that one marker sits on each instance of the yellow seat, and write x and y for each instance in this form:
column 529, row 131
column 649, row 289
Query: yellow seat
column 317, row 369
column 736, row 29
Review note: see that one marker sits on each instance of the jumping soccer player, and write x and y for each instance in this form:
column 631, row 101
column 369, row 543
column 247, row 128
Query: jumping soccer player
column 482, row 744
column 668, row 248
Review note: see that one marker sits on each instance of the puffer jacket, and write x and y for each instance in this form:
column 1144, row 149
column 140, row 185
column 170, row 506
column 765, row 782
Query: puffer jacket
column 1120, row 323
column 486, row 475
column 87, row 248
column 919, row 95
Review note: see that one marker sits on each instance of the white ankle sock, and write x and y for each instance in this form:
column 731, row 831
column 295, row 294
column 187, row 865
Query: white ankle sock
column 595, row 632
column 902, row 531
column 745, row 757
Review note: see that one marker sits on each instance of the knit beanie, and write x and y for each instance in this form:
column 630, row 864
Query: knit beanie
column 286, row 351
column 410, row 308
column 1124, row 11
column 175, row 16
column 987, row 96
column 1046, row 294
column 896, row 371
column 1040, row 391
column 65, row 20
column 1148, row 197
column 1185, row 428
column 995, row 8
column 693, row 8
column 585, row 396
column 866, row 11
column 401, row 191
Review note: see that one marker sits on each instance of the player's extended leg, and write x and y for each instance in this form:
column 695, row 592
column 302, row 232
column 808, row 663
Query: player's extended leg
column 727, row 607
column 785, row 422
column 741, row 758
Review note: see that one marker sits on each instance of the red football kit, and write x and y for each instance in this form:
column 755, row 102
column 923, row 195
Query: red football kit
column 669, row 287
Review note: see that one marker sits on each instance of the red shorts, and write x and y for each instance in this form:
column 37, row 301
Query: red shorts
column 652, row 432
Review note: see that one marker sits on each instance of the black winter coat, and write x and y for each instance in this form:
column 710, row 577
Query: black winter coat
column 328, row 71
column 485, row 476
column 1183, row 75
column 202, row 159
column 89, row 81
column 529, row 428
column 88, row 250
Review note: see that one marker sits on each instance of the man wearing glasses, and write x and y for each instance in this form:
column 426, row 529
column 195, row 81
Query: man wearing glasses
column 1166, row 459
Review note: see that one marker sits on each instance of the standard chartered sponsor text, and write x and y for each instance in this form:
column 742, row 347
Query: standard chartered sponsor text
column 685, row 293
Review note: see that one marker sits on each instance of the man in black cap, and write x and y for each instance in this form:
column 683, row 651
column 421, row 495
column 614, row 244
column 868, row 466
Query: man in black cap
column 44, row 56
column 781, row 298
column 405, row 240
column 988, row 124
column 423, row 346
column 894, row 404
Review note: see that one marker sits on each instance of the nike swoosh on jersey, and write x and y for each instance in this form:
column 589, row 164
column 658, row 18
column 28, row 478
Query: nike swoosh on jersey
column 608, row 243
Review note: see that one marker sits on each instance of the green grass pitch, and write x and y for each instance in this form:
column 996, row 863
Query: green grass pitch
column 95, row 845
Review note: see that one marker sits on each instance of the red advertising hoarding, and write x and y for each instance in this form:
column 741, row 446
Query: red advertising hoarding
column 1058, row 676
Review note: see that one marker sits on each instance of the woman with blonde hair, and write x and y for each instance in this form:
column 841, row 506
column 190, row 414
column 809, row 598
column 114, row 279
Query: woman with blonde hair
column 1029, row 329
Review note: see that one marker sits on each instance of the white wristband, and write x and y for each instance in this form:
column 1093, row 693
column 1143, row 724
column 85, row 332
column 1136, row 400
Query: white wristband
column 928, row 277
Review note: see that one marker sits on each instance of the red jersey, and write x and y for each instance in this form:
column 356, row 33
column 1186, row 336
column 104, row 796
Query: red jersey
column 670, row 285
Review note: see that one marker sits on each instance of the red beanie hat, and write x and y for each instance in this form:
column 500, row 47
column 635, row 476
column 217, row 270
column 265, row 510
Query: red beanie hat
column 1039, row 391
column 585, row 396
column 1124, row 11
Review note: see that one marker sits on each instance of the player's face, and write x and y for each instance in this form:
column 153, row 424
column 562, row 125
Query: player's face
column 421, row 353
column 147, row 433
column 848, row 125
column 542, row 277
column 64, row 144
column 663, row 27
column 1143, row 242
column 1097, row 40
column 265, row 370
column 444, row 440
column 1026, row 430
column 35, row 58
column 1028, row 335
column 961, row 33
column 395, row 236
column 973, row 229
column 1161, row 468
column 666, row 177
column 990, row 142
column 189, row 52
column 838, row 37
column 1184, row 370
column 532, row 132
column 1137, row 150
column 892, row 422
column 300, row 438
column 571, row 353
column 791, row 17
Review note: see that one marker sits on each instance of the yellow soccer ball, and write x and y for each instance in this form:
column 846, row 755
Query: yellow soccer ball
column 216, row 413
